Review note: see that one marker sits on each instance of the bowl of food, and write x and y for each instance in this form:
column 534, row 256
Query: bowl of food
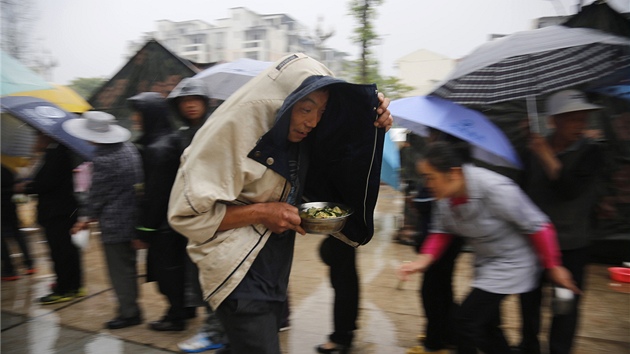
column 324, row 217
column 620, row 274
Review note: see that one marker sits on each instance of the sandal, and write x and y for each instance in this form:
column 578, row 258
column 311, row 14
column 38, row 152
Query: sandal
column 332, row 348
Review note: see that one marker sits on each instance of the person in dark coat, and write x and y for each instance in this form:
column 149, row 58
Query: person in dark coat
column 190, row 102
column 10, row 229
column 160, row 149
column 562, row 177
column 57, row 211
column 112, row 201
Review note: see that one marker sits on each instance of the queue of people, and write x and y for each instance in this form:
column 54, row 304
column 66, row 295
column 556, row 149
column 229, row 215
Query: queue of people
column 216, row 205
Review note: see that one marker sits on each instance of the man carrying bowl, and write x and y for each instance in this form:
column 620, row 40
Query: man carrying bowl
column 292, row 131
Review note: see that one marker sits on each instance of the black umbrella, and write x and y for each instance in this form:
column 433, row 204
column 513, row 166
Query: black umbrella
column 527, row 64
column 45, row 117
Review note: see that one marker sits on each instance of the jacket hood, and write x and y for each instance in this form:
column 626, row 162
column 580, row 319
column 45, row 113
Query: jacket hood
column 188, row 87
column 344, row 150
column 154, row 110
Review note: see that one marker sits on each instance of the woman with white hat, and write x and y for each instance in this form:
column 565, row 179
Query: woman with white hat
column 112, row 202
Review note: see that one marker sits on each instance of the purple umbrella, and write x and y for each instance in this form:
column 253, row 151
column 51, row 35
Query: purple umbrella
column 488, row 141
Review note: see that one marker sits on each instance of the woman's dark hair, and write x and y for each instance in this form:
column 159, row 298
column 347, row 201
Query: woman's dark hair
column 444, row 155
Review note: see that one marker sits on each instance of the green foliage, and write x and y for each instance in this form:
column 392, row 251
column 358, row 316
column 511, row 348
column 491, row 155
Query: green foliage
column 392, row 87
column 86, row 86
column 366, row 69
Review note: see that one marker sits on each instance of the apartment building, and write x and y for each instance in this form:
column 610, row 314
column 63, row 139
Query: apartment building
column 244, row 34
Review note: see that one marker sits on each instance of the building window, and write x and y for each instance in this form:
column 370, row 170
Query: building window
column 251, row 55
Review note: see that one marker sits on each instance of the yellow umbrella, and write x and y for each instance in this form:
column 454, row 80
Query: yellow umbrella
column 62, row 96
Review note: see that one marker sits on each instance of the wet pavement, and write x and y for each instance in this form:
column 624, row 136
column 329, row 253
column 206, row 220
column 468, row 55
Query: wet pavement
column 390, row 316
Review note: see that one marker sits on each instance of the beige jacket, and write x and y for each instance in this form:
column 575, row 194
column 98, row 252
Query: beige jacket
column 215, row 171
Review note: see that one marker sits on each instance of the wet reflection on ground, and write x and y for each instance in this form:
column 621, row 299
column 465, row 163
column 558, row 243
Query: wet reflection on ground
column 390, row 316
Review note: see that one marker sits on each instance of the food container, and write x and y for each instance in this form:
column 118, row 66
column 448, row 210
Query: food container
column 324, row 226
column 562, row 302
column 619, row 274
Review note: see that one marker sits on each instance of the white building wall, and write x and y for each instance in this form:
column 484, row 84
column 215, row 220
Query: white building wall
column 422, row 70
column 226, row 40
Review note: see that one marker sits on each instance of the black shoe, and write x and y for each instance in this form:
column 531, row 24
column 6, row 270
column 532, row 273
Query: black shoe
column 190, row 312
column 338, row 348
column 120, row 322
column 168, row 325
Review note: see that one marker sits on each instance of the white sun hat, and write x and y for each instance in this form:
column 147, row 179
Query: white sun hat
column 97, row 127
column 568, row 101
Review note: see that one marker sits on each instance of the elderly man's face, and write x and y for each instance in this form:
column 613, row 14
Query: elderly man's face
column 570, row 126
column 306, row 114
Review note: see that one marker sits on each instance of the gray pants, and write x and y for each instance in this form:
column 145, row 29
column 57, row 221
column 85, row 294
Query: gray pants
column 251, row 326
column 121, row 264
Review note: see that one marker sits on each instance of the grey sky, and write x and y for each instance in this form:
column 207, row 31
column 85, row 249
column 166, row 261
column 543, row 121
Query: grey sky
column 89, row 37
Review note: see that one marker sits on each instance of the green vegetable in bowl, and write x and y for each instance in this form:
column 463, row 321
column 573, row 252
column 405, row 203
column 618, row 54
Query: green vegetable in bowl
column 323, row 213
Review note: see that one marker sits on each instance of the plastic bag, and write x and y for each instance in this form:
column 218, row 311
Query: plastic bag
column 81, row 239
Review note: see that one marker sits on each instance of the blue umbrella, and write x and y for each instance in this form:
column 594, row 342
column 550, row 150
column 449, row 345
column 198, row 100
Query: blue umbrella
column 45, row 117
column 390, row 167
column 488, row 141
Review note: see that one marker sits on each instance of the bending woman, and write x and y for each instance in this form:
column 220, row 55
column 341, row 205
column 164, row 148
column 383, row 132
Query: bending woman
column 510, row 236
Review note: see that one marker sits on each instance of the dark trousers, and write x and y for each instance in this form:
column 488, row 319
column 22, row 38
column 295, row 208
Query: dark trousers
column 437, row 298
column 563, row 327
column 477, row 323
column 65, row 255
column 7, row 264
column 121, row 264
column 251, row 325
column 12, row 231
column 169, row 257
column 341, row 258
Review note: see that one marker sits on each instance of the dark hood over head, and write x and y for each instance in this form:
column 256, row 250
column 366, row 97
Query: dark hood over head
column 344, row 148
column 155, row 120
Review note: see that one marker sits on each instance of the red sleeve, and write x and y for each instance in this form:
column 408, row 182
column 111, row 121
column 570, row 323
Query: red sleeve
column 546, row 246
column 435, row 244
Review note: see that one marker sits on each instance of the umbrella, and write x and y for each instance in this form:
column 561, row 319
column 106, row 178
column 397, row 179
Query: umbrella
column 17, row 77
column 45, row 117
column 531, row 63
column 488, row 141
column 224, row 79
column 62, row 96
column 390, row 167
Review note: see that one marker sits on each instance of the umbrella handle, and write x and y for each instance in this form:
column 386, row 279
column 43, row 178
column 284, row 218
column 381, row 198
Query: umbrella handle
column 532, row 114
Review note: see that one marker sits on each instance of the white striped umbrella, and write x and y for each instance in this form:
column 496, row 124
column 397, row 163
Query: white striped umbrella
column 532, row 63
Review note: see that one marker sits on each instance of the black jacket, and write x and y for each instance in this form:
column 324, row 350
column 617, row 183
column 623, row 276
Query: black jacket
column 160, row 149
column 53, row 184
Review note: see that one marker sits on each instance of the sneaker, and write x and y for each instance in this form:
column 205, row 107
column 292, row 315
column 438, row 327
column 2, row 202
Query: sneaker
column 199, row 343
column 55, row 298
column 82, row 292
column 11, row 277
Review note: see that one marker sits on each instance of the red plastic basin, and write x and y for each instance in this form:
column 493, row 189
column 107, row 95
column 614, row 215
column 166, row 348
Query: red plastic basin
column 620, row 274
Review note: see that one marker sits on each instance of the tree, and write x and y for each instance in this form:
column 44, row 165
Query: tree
column 86, row 86
column 366, row 71
column 17, row 19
